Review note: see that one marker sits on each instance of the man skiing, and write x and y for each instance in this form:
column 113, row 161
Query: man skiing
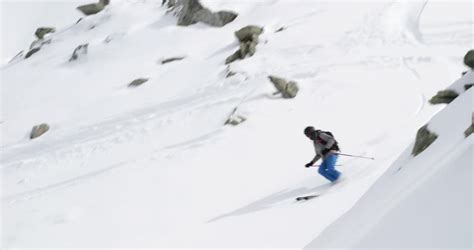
column 326, row 148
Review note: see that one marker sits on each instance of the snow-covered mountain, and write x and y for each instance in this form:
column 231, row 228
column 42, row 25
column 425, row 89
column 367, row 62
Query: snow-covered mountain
column 155, row 166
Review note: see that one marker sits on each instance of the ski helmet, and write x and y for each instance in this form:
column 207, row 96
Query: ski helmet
column 309, row 130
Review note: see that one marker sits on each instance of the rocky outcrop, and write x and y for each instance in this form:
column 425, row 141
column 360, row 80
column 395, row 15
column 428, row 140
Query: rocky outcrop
column 93, row 8
column 444, row 96
column 424, row 138
column 468, row 86
column 137, row 82
column 39, row 130
column 235, row 119
column 191, row 11
column 248, row 39
column 470, row 129
column 285, row 88
column 469, row 59
column 36, row 46
column 31, row 52
column 79, row 52
column 172, row 59
column 42, row 31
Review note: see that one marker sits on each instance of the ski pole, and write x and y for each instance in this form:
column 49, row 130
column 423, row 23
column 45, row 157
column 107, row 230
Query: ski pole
column 357, row 156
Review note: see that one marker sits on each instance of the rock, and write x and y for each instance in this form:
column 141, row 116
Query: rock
column 32, row 52
column 287, row 89
column 424, row 138
column 280, row 29
column 39, row 130
column 138, row 82
column 444, row 96
column 36, row 46
column 233, row 57
column 172, row 59
column 248, row 38
column 235, row 119
column 229, row 74
column 191, row 11
column 468, row 86
column 226, row 16
column 470, row 129
column 80, row 51
column 469, row 59
column 41, row 32
column 93, row 8
column 248, row 33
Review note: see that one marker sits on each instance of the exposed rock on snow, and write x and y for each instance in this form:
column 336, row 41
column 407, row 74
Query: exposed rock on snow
column 235, row 119
column 80, row 51
column 191, row 11
column 138, row 82
column 424, row 138
column 444, row 96
column 287, row 89
column 248, row 38
column 39, row 130
column 172, row 59
column 42, row 31
column 93, row 8
column 31, row 52
column 469, row 59
column 470, row 129
column 36, row 46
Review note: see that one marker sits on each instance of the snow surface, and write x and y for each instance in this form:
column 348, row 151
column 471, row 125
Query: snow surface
column 420, row 202
column 154, row 166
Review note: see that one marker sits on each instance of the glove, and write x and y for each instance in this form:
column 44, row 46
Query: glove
column 309, row 164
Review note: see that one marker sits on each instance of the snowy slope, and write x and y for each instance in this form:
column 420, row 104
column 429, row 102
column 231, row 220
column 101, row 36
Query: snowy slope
column 21, row 18
column 423, row 201
column 154, row 166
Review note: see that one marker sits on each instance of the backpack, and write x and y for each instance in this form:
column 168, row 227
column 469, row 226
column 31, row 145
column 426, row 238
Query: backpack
column 336, row 145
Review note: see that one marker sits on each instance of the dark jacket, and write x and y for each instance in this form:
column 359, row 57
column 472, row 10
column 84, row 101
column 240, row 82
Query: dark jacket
column 323, row 145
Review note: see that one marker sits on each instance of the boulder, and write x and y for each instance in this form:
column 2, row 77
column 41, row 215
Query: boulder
column 93, row 8
column 444, row 96
column 39, row 130
column 138, row 82
column 248, row 39
column 424, row 138
column 191, row 11
column 248, row 33
column 469, row 59
column 79, row 52
column 42, row 31
column 287, row 89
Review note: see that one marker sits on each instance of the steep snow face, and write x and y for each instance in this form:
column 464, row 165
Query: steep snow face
column 422, row 202
column 20, row 19
column 153, row 166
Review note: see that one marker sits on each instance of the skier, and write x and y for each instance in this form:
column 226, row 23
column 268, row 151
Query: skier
column 326, row 148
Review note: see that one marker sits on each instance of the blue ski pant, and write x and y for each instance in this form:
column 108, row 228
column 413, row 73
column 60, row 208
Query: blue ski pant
column 327, row 168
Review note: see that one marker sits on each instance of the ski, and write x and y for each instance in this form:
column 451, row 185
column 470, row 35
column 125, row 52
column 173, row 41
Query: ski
column 308, row 197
